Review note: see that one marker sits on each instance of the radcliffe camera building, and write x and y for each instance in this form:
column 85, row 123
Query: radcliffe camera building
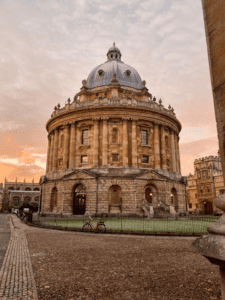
column 112, row 147
column 205, row 185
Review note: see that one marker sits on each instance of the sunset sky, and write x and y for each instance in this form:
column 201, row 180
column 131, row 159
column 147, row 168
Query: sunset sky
column 48, row 47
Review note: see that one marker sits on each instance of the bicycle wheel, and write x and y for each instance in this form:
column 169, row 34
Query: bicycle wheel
column 101, row 228
column 87, row 227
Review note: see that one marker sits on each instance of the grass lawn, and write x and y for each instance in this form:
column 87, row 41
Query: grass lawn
column 148, row 226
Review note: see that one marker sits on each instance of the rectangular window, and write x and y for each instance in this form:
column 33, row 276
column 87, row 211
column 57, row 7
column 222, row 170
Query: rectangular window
column 144, row 137
column 145, row 159
column 84, row 159
column 190, row 205
column 60, row 162
column 115, row 157
column 85, row 137
column 201, row 189
column 195, row 195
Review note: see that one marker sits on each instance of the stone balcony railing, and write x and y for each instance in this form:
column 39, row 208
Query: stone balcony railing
column 114, row 102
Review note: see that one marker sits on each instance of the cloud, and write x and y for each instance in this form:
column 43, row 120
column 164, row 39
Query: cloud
column 48, row 47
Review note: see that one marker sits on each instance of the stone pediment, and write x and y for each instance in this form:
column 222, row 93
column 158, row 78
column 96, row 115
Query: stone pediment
column 151, row 175
column 80, row 174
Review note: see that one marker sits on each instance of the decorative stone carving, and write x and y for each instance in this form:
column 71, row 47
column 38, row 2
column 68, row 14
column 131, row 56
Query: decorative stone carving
column 58, row 105
column 143, row 83
column 84, row 83
column 68, row 101
column 160, row 101
column 154, row 99
column 75, row 98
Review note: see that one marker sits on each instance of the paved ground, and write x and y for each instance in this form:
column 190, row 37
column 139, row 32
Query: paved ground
column 75, row 266
column 5, row 234
column 16, row 274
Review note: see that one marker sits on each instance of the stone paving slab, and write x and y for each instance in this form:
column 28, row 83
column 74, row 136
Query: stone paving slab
column 16, row 274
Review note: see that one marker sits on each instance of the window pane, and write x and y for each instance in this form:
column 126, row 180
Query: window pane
column 85, row 137
column 115, row 157
column 145, row 159
column 144, row 137
column 84, row 159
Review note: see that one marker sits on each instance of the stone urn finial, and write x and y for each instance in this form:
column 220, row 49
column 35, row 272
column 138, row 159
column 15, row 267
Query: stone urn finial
column 154, row 99
column 84, row 83
column 160, row 101
column 169, row 107
column 55, row 108
column 172, row 109
column 68, row 100
column 75, row 98
column 58, row 105
column 143, row 83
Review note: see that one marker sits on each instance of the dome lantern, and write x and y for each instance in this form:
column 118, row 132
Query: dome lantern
column 114, row 53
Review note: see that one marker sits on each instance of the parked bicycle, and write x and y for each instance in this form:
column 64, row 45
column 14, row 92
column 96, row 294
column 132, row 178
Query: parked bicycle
column 89, row 226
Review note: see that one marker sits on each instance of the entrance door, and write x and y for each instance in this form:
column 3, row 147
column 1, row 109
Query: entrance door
column 115, row 196
column 208, row 208
column 148, row 195
column 79, row 200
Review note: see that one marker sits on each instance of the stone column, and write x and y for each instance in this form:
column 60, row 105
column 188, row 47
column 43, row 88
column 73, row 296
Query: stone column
column 51, row 152
column 66, row 147
column 134, row 142
column 72, row 146
column 105, row 142
column 156, row 146
column 178, row 152
column 173, row 155
column 125, row 143
column 96, row 134
column 55, row 151
column 163, row 148
column 48, row 155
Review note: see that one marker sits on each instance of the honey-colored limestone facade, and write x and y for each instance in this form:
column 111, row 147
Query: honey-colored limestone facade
column 112, row 147
column 205, row 185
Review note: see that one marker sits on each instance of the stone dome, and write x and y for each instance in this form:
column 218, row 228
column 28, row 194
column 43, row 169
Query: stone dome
column 103, row 73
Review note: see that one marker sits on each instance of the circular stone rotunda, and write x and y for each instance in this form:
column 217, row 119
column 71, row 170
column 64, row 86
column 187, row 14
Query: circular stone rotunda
column 113, row 149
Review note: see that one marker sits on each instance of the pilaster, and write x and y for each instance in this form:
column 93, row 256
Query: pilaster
column 105, row 142
column 173, row 155
column 55, row 153
column 156, row 146
column 66, row 147
column 72, row 146
column 134, row 142
column 125, row 142
column 96, row 134
column 163, row 148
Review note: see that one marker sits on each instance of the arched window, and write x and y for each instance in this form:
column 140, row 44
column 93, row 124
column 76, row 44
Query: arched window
column 27, row 199
column 62, row 141
column 27, row 189
column 53, row 202
column 148, row 195
column 36, row 199
column 208, row 188
column 115, row 136
column 10, row 188
column 174, row 199
column 16, row 200
column 36, row 189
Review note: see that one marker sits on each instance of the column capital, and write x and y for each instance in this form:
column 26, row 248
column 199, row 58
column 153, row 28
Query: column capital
column 125, row 119
column 105, row 119
column 157, row 123
column 134, row 119
column 66, row 124
column 96, row 119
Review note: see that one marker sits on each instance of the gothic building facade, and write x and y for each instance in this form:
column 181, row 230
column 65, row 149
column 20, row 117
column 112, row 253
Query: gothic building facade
column 112, row 147
column 205, row 185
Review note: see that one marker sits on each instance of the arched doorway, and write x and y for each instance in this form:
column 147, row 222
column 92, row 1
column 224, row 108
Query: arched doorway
column 174, row 199
column 151, row 194
column 27, row 199
column 148, row 194
column 53, row 203
column 16, row 200
column 208, row 208
column 79, row 200
column 115, row 199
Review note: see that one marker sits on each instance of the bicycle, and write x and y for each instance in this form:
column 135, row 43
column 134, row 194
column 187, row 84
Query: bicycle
column 89, row 226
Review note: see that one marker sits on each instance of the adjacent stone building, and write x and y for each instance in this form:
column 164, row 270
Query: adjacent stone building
column 206, row 184
column 112, row 147
column 17, row 192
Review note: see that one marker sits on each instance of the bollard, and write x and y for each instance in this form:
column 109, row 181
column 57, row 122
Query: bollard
column 212, row 246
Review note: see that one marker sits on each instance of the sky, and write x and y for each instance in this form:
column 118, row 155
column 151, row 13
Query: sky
column 48, row 47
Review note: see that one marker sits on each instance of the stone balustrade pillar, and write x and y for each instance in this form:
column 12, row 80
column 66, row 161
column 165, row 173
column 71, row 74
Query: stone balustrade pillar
column 105, row 142
column 51, row 152
column 48, row 154
column 156, row 146
column 134, row 143
column 96, row 134
column 125, row 143
column 66, row 147
column 173, row 155
column 163, row 149
column 55, row 152
column 72, row 146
